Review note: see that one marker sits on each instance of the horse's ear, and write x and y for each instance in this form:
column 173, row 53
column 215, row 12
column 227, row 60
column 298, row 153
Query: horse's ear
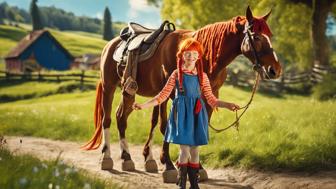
column 267, row 15
column 249, row 15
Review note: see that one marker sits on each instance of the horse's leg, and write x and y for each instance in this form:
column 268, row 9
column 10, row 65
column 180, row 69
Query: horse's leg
column 123, row 111
column 150, row 164
column 170, row 172
column 107, row 98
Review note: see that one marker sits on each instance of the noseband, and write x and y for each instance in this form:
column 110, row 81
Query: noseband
column 257, row 66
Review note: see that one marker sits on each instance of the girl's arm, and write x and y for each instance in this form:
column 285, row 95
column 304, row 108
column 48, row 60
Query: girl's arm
column 212, row 100
column 162, row 96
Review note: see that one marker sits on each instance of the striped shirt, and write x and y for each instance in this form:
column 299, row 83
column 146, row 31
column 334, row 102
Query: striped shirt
column 170, row 85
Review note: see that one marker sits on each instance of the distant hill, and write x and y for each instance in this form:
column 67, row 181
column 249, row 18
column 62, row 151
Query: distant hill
column 53, row 17
column 78, row 43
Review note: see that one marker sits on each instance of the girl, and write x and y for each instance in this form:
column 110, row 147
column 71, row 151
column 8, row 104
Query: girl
column 188, row 119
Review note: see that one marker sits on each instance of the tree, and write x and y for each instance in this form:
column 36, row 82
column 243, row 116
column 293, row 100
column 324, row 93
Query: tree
column 107, row 30
column 293, row 23
column 320, row 12
column 35, row 15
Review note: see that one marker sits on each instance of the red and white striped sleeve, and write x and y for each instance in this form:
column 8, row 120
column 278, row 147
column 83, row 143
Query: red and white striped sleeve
column 207, row 92
column 167, row 89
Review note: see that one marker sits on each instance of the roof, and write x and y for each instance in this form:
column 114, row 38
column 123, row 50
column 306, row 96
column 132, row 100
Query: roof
column 29, row 39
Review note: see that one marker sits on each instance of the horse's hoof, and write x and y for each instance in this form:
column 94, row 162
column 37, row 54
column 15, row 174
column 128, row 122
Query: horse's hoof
column 151, row 166
column 169, row 176
column 107, row 164
column 203, row 175
column 127, row 165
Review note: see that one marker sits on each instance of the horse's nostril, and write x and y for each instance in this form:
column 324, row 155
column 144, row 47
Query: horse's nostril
column 271, row 71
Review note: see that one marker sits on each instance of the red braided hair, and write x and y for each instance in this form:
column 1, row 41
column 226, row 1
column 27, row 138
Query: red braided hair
column 190, row 44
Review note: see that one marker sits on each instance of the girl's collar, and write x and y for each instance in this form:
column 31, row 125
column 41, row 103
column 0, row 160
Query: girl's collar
column 193, row 72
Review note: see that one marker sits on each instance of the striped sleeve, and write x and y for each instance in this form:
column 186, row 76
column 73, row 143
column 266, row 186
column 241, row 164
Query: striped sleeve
column 207, row 92
column 167, row 89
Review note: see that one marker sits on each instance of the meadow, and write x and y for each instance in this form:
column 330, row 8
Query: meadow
column 78, row 43
column 25, row 171
column 277, row 132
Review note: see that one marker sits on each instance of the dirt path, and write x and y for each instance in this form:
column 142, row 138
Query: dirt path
column 218, row 178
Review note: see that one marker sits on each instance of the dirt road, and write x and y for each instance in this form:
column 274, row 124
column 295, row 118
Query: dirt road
column 46, row 149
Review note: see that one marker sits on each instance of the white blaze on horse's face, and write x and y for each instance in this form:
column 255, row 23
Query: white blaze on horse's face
column 270, row 44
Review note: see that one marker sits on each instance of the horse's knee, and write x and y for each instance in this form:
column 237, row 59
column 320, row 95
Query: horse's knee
column 106, row 123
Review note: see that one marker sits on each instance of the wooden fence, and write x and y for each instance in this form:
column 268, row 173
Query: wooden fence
column 285, row 82
column 81, row 77
column 243, row 79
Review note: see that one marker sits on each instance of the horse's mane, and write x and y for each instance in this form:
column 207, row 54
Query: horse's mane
column 212, row 36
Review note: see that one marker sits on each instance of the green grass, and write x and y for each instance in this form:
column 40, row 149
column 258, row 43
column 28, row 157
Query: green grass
column 288, row 132
column 18, row 90
column 9, row 37
column 78, row 43
column 25, row 171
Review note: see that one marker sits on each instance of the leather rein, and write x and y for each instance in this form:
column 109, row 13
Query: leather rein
column 259, row 69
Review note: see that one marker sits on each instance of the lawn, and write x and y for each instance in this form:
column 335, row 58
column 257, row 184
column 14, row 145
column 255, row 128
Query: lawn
column 25, row 171
column 288, row 131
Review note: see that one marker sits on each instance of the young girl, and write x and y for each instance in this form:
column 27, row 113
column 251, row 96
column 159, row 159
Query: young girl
column 188, row 119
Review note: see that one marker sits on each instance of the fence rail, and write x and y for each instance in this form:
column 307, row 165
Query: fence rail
column 82, row 77
column 286, row 81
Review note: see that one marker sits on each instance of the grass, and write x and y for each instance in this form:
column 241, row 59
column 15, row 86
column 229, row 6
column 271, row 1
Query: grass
column 78, row 43
column 18, row 90
column 25, row 171
column 287, row 132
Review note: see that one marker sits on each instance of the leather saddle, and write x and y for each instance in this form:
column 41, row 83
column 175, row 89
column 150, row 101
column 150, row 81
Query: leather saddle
column 138, row 37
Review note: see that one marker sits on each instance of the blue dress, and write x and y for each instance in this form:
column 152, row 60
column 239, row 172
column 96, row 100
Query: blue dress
column 184, row 126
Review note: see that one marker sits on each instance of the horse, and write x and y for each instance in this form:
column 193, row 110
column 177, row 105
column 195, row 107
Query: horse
column 222, row 42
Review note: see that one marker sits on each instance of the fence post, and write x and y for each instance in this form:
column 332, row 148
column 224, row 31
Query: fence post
column 7, row 75
column 82, row 78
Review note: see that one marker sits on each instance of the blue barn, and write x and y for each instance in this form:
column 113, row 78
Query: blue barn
column 38, row 50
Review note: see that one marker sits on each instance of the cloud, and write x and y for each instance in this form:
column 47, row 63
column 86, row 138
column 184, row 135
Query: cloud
column 140, row 6
column 99, row 15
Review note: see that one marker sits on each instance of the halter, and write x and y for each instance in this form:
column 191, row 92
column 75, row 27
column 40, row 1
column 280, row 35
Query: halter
column 257, row 66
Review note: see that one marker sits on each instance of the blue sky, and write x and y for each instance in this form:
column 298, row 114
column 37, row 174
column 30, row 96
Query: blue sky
column 121, row 10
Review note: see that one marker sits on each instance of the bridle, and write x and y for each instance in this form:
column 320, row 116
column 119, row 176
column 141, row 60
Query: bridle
column 257, row 67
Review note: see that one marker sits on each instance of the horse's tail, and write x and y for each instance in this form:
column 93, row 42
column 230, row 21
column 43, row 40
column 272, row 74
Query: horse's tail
column 96, row 139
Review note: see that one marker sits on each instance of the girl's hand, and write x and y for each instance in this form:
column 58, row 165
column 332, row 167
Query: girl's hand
column 232, row 106
column 137, row 106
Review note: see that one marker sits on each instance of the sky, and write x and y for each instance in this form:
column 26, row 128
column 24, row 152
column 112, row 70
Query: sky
column 121, row 10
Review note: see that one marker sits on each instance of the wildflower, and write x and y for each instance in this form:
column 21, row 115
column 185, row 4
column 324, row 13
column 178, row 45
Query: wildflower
column 50, row 186
column 35, row 169
column 87, row 186
column 23, row 181
column 57, row 187
column 68, row 170
column 56, row 172
column 44, row 165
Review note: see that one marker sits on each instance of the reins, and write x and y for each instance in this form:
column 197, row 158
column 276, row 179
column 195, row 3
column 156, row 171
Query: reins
column 236, row 123
column 257, row 67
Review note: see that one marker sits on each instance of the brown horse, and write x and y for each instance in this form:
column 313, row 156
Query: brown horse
column 222, row 41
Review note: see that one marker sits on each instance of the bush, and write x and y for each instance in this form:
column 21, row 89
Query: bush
column 327, row 89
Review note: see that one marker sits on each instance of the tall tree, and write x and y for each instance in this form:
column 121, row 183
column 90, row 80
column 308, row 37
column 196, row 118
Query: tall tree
column 299, row 26
column 321, row 10
column 107, row 30
column 35, row 15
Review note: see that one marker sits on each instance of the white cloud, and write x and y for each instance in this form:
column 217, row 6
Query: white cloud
column 99, row 15
column 138, row 6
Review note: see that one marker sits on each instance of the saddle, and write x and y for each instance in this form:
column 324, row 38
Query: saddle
column 138, row 44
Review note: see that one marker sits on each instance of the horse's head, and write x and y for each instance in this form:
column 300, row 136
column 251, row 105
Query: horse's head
column 257, row 47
